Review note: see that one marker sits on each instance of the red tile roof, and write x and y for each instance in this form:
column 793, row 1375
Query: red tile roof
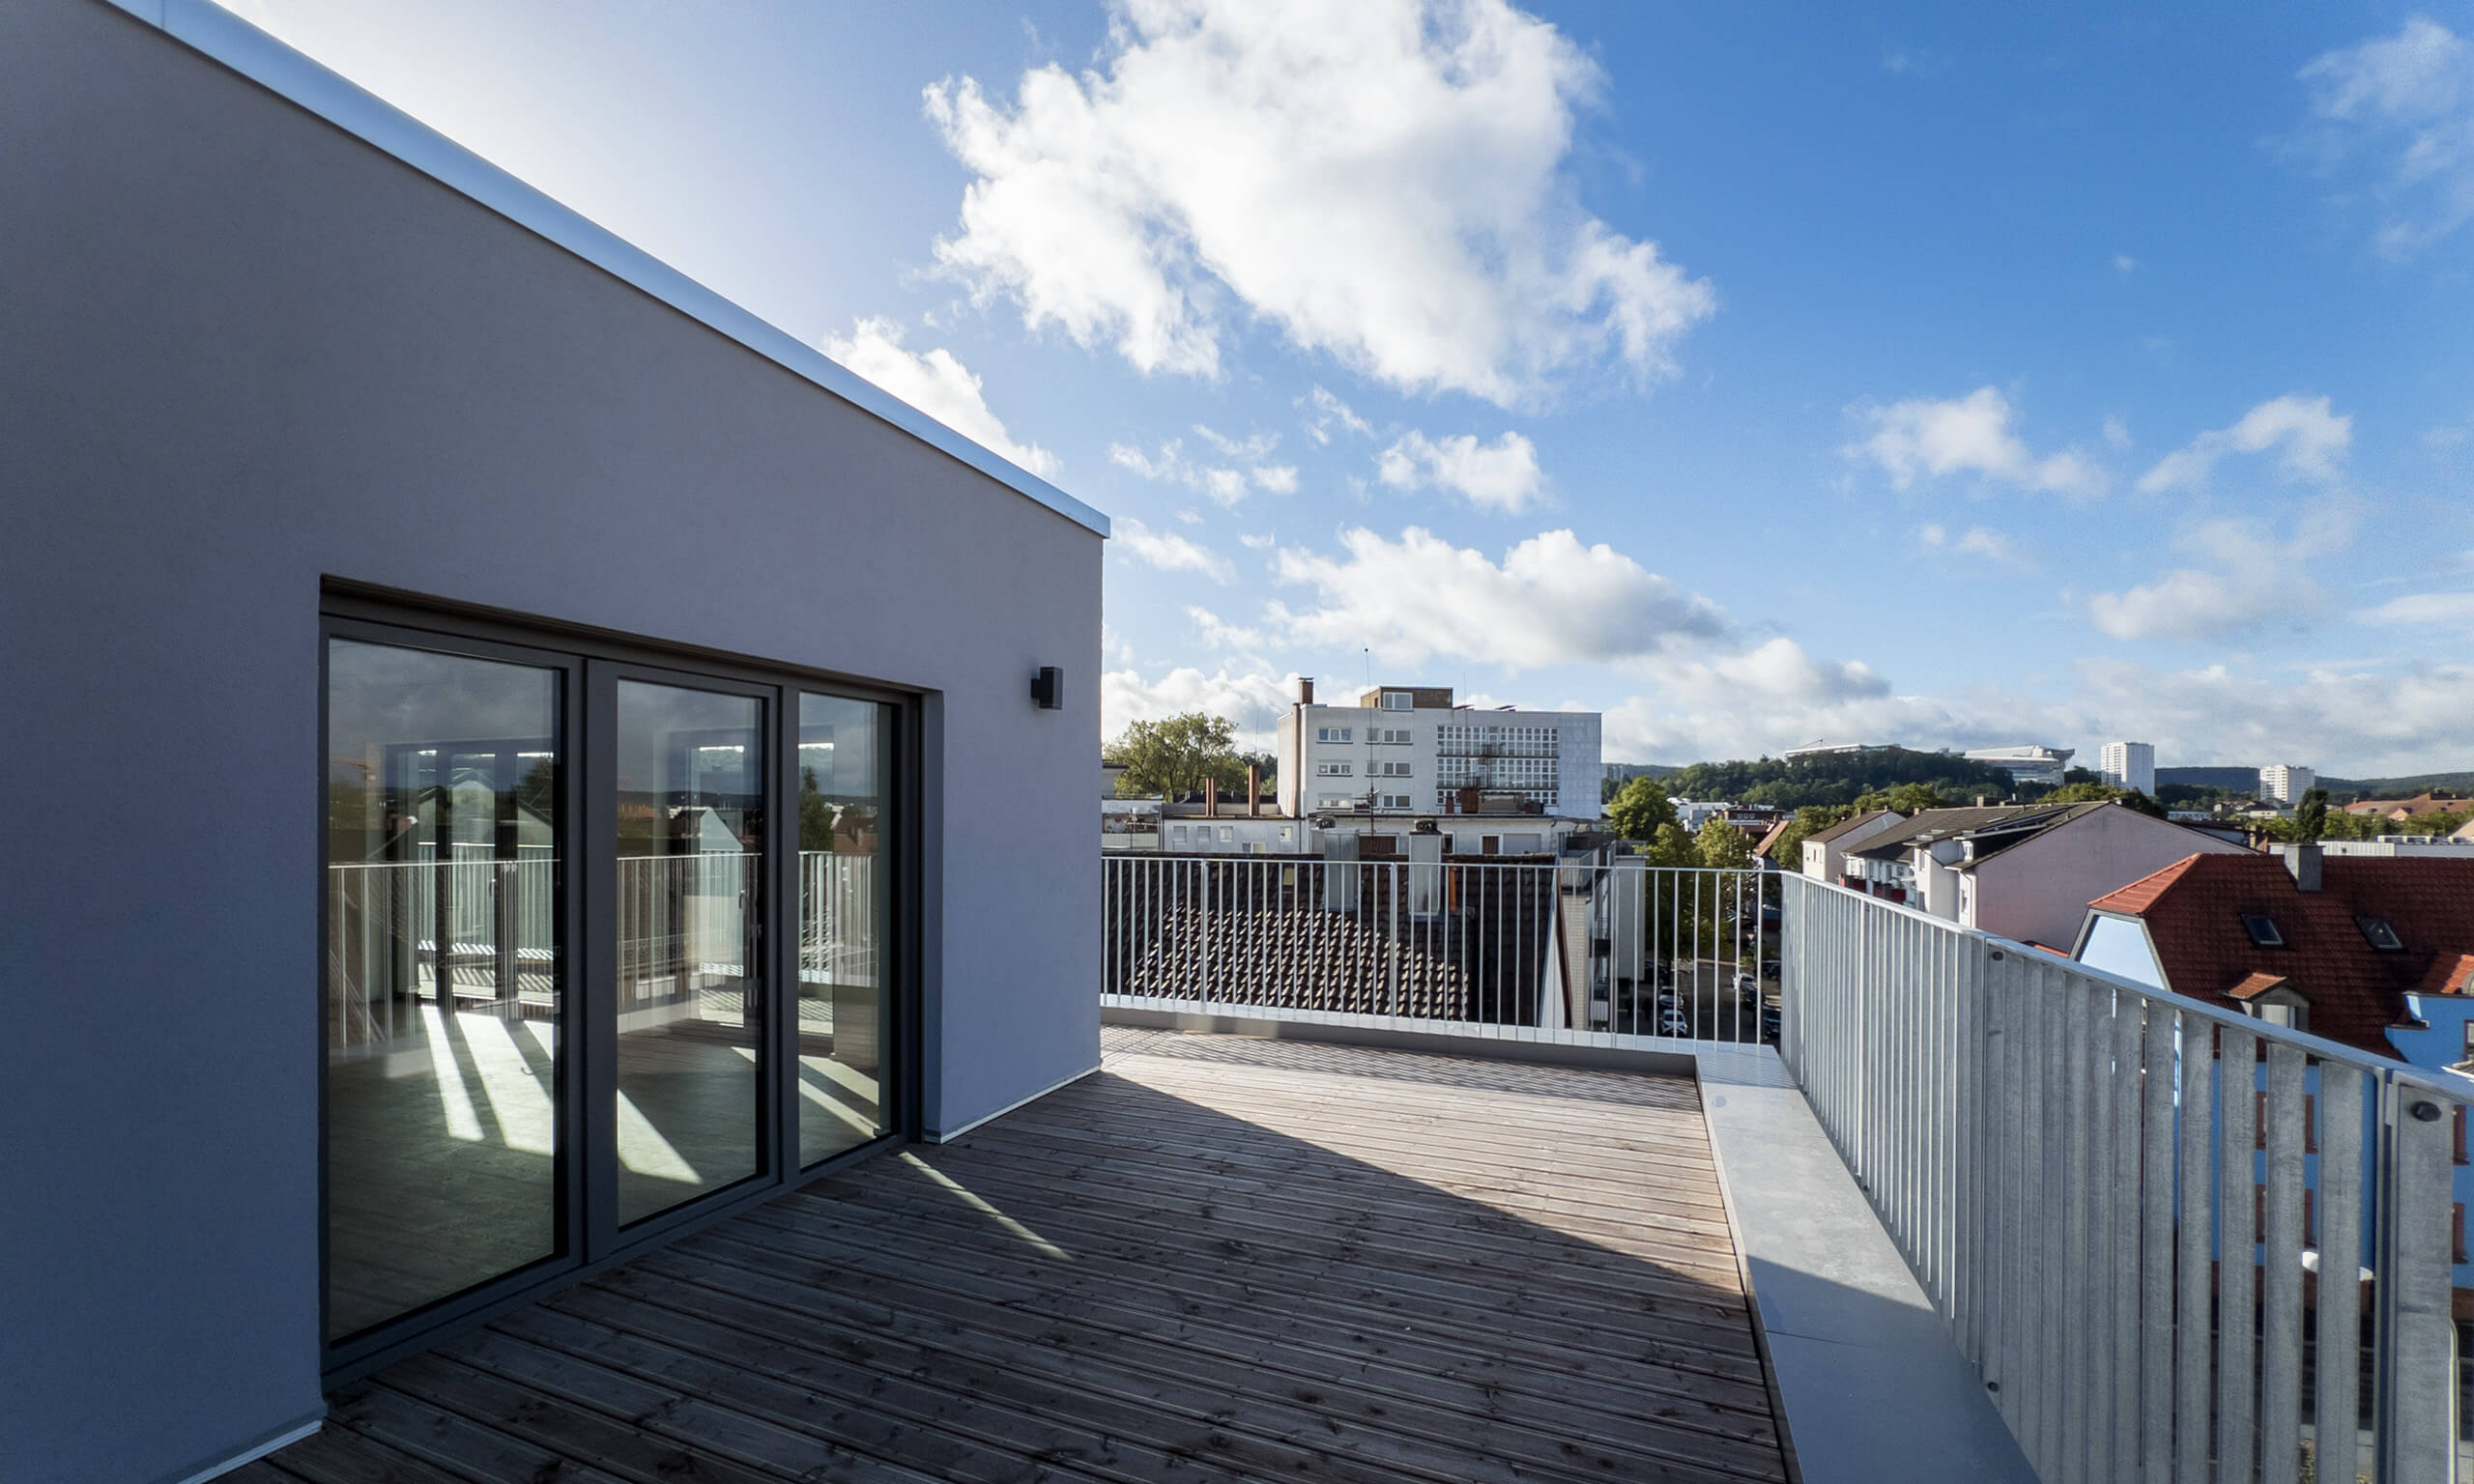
column 2450, row 974
column 2194, row 910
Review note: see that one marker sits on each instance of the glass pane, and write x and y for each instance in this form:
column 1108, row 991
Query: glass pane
column 691, row 841
column 843, row 899
column 442, row 975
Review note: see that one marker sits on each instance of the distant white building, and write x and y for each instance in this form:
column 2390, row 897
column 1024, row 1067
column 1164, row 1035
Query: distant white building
column 1407, row 750
column 2129, row 765
column 2286, row 783
column 2033, row 764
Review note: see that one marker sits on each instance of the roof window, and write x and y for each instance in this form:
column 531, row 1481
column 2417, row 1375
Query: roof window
column 2262, row 931
column 2382, row 937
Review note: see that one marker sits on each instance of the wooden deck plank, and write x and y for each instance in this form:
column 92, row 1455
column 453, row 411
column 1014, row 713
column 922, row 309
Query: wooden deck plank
column 1224, row 1259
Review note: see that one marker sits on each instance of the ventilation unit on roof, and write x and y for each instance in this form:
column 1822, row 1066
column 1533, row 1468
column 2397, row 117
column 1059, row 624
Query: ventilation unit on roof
column 2262, row 931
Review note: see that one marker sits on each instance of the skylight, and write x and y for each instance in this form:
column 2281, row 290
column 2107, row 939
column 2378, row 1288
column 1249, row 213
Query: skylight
column 2382, row 937
column 2262, row 931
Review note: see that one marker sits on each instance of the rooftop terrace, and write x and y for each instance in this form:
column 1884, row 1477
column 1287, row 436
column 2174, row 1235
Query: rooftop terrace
column 1218, row 1259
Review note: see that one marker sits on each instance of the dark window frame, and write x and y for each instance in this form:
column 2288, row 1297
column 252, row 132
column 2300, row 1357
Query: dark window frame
column 590, row 659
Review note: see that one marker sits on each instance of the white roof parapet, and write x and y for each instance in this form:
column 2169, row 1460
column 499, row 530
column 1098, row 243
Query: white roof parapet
column 216, row 33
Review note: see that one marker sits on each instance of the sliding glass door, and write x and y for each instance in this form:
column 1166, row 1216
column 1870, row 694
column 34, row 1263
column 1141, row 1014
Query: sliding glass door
column 443, row 976
column 844, row 893
column 558, row 1008
column 690, row 879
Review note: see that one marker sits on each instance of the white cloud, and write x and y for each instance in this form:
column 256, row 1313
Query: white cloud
column 1258, row 543
column 2116, row 433
column 1382, row 181
column 2411, row 95
column 2313, row 439
column 2424, row 608
column 2251, row 578
column 2357, row 721
column 1501, row 475
column 937, row 384
column 1223, row 485
column 1550, row 601
column 2125, row 264
column 1325, row 411
column 1972, row 435
column 1252, row 699
column 1221, row 634
column 1169, row 551
column 1974, row 541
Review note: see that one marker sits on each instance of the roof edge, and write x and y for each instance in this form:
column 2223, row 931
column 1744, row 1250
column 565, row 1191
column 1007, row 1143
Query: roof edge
column 222, row 37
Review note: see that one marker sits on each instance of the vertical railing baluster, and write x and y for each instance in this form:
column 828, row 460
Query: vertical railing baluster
column 2236, row 1359
column 2280, row 1439
column 2338, row 1348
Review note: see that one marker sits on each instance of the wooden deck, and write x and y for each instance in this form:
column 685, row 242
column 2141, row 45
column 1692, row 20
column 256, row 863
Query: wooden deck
column 1218, row 1260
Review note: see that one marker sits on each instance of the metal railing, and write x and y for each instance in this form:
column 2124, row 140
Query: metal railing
column 486, row 927
column 1529, row 948
column 2143, row 1216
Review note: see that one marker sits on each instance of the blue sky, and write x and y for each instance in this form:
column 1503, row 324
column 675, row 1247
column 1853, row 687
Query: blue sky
column 1939, row 375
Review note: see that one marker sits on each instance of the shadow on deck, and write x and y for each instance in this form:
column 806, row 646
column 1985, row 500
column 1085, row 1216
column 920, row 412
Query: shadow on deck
column 1219, row 1259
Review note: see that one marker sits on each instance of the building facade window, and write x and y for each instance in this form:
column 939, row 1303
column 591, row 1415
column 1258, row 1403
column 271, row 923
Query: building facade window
column 1334, row 734
column 1332, row 769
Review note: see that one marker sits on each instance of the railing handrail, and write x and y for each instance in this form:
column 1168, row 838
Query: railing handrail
column 2318, row 1046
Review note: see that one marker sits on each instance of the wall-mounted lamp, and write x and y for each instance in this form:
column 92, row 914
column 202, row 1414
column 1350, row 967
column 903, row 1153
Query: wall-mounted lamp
column 1048, row 688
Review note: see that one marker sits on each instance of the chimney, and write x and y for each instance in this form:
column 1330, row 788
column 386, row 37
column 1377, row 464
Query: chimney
column 1211, row 798
column 2303, row 863
column 1984, row 801
column 1254, row 790
column 1306, row 690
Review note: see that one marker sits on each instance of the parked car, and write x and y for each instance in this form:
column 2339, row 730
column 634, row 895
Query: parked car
column 1674, row 1022
column 1770, row 1023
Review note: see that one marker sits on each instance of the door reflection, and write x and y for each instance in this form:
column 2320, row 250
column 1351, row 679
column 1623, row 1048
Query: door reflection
column 690, row 911
column 844, row 892
column 442, row 975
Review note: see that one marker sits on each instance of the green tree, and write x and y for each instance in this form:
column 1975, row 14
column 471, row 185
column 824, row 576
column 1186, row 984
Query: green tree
column 816, row 813
column 1172, row 758
column 1641, row 810
column 2311, row 816
column 2104, row 793
column 1722, row 847
column 1671, row 846
column 1906, row 798
column 1809, row 820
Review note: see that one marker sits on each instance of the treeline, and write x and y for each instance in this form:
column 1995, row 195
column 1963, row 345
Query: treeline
column 1835, row 777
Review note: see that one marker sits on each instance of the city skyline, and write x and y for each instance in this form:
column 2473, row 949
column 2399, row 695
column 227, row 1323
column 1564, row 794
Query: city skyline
column 2045, row 379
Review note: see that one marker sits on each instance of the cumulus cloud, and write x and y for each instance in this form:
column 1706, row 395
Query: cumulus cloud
column 1383, row 181
column 1169, row 551
column 1974, row 541
column 2360, row 721
column 1970, row 435
column 2409, row 98
column 1550, row 601
column 2419, row 608
column 1222, row 484
column 2250, row 578
column 1252, row 698
column 1501, row 475
column 2312, row 436
column 1218, row 634
column 1325, row 411
column 935, row 383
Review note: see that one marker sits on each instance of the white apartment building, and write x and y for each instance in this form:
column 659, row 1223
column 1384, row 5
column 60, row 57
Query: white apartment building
column 2129, row 765
column 2286, row 782
column 1410, row 749
column 2031, row 764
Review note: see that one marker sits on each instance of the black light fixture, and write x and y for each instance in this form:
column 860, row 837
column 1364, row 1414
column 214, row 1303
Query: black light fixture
column 1048, row 688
